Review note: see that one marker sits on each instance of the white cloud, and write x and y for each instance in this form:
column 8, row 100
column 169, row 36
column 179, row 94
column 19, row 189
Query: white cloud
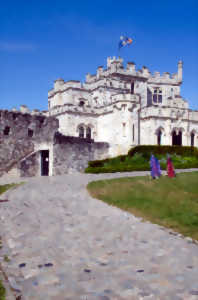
column 16, row 46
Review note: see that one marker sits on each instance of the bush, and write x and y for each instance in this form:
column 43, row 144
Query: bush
column 153, row 149
column 138, row 159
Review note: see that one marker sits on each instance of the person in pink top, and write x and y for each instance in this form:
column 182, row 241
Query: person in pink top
column 170, row 168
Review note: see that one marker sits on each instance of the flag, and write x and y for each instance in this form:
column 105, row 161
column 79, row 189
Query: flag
column 124, row 41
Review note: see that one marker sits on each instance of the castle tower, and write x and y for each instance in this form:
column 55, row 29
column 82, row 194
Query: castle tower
column 180, row 69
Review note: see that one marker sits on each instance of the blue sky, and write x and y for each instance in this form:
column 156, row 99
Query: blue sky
column 42, row 40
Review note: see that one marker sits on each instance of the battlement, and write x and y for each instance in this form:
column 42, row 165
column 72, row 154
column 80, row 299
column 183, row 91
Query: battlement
column 11, row 117
column 115, row 65
column 25, row 110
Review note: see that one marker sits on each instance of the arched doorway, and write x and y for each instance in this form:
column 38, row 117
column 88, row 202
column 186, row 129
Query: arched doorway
column 159, row 137
column 192, row 139
column 177, row 138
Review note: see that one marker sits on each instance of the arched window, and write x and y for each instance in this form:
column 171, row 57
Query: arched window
column 159, row 137
column 157, row 95
column 192, row 139
column 6, row 130
column 81, row 131
column 88, row 133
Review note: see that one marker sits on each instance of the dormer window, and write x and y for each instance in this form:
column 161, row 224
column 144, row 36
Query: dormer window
column 157, row 95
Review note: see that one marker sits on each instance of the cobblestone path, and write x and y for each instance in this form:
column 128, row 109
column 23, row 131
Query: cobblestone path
column 63, row 244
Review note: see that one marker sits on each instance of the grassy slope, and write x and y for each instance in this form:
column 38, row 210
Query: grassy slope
column 171, row 202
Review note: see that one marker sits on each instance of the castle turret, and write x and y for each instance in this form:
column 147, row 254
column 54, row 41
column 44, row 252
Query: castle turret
column 180, row 69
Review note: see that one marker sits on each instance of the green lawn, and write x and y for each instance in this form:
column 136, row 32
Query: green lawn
column 4, row 188
column 171, row 202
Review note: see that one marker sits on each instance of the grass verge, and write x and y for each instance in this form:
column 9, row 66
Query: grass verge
column 3, row 189
column 170, row 202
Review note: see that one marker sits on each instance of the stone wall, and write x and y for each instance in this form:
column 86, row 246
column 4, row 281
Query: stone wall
column 30, row 166
column 21, row 134
column 72, row 154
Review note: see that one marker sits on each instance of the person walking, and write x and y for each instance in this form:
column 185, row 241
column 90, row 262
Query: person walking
column 170, row 168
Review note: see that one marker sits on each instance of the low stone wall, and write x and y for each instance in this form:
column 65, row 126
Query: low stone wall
column 71, row 154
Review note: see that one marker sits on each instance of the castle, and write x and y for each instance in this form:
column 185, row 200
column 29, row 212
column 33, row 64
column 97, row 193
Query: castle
column 125, row 107
column 112, row 111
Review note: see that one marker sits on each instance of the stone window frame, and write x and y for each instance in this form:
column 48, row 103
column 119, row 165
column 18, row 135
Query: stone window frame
column 157, row 94
column 85, row 131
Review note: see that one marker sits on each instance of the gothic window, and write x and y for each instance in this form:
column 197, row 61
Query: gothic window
column 192, row 139
column 159, row 137
column 88, row 133
column 81, row 131
column 132, row 87
column 30, row 132
column 157, row 95
column 6, row 130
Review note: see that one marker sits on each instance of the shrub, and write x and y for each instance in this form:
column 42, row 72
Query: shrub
column 138, row 159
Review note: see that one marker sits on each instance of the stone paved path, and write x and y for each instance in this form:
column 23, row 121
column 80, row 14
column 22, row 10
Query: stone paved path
column 63, row 245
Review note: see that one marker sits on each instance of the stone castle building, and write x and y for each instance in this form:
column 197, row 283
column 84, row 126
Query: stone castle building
column 125, row 107
column 112, row 111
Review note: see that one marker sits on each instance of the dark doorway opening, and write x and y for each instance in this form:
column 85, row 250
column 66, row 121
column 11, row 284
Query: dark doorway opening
column 44, row 162
column 177, row 138
column 159, row 137
column 192, row 139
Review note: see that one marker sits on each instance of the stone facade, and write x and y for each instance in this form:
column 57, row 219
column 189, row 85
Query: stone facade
column 125, row 107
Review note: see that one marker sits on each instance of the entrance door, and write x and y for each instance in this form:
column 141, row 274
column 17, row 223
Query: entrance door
column 44, row 162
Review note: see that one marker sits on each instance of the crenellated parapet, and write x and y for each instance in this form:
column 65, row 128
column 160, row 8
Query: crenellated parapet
column 25, row 110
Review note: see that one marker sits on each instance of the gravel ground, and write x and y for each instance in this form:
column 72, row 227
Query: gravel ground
column 63, row 244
